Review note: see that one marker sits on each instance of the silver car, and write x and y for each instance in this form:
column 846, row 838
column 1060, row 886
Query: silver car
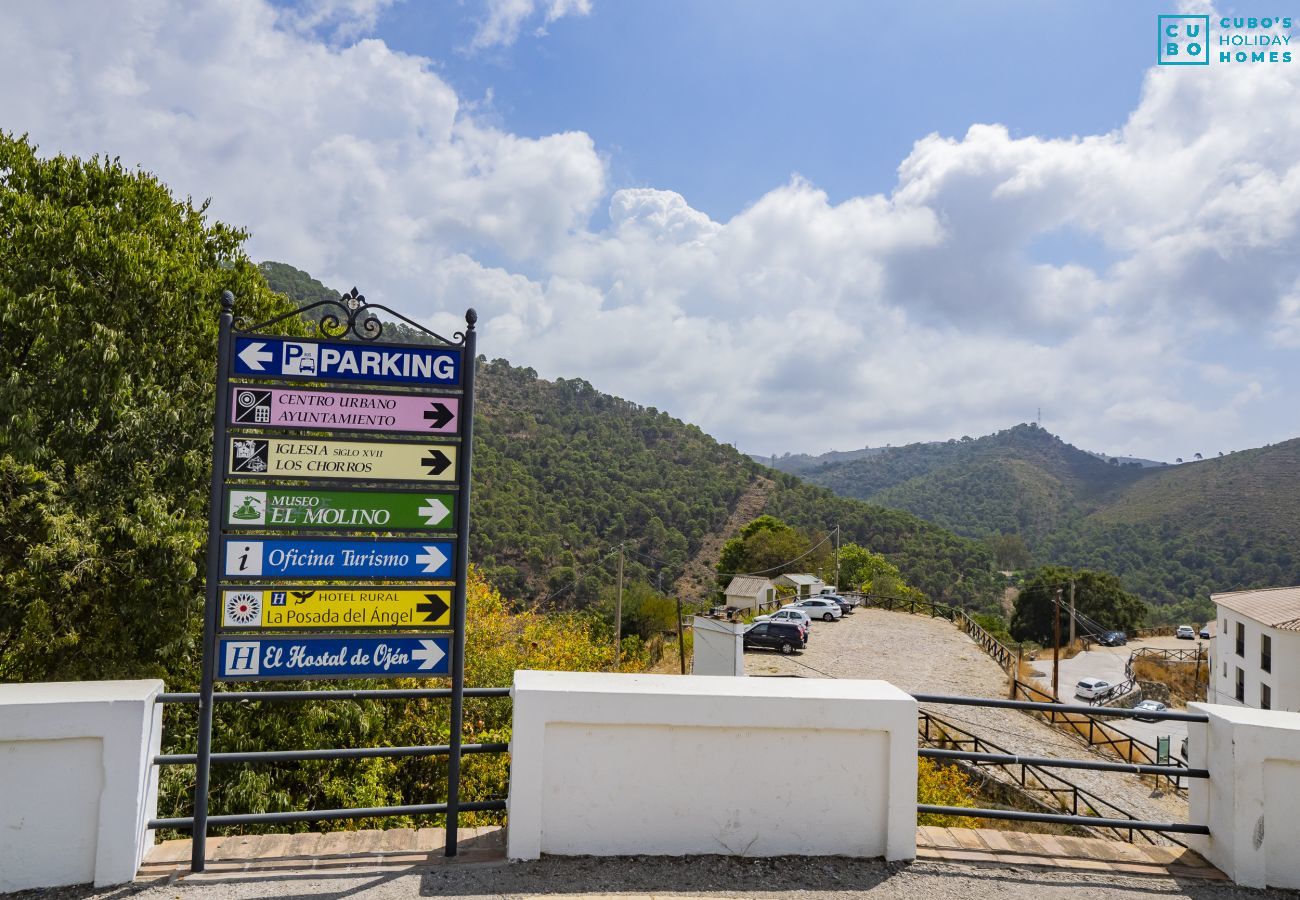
column 797, row 616
column 817, row 608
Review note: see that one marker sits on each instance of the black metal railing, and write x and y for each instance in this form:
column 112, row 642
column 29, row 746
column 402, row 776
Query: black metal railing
column 186, row 823
column 1028, row 778
column 1173, row 772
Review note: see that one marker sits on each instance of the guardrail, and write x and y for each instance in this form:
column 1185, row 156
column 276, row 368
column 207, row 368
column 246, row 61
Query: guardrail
column 1028, row 776
column 1081, row 721
column 1189, row 655
column 185, row 823
column 1172, row 773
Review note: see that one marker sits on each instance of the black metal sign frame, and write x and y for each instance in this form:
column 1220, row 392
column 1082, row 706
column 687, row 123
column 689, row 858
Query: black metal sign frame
column 349, row 315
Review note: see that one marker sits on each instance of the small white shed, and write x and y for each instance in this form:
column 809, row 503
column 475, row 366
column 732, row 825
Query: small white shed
column 750, row 592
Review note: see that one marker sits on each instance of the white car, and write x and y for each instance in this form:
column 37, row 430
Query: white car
column 817, row 608
column 1185, row 633
column 1091, row 688
column 797, row 616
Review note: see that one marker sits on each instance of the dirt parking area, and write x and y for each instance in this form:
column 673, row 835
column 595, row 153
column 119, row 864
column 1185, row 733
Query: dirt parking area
column 931, row 656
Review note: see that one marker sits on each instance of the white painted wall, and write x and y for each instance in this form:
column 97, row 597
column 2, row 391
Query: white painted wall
column 1251, row 802
column 1283, row 678
column 612, row 764
column 717, row 647
column 77, row 783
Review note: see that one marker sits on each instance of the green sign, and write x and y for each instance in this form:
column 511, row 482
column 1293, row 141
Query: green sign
column 269, row 508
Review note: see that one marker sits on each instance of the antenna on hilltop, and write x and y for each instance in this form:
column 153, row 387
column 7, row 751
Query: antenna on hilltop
column 1039, row 423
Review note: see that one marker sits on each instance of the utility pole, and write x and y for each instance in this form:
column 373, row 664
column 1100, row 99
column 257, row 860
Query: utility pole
column 618, row 612
column 837, row 557
column 1196, row 679
column 681, row 640
column 1056, row 646
column 1072, row 612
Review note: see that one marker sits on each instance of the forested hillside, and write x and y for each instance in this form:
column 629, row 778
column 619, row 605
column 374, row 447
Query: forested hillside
column 1172, row 533
column 563, row 473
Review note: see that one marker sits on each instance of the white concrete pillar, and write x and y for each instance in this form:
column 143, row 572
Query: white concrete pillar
column 77, row 781
column 717, row 647
column 611, row 764
column 1251, row 802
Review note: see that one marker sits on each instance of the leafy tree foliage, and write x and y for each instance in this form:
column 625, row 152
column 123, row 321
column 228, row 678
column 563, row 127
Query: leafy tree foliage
column 872, row 573
column 108, row 307
column 1098, row 596
column 770, row 547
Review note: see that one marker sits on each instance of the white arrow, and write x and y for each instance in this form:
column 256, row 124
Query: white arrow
column 432, row 558
column 429, row 655
column 253, row 356
column 435, row 512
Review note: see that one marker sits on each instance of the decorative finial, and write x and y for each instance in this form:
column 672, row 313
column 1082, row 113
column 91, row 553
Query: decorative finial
column 471, row 318
column 353, row 300
column 227, row 301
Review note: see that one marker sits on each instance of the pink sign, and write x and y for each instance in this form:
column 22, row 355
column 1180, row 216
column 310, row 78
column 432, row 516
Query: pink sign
column 327, row 410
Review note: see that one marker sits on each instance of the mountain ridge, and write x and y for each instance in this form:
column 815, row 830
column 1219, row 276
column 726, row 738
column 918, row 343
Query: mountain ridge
column 564, row 474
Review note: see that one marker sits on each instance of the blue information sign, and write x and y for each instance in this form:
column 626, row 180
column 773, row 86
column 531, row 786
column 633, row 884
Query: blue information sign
column 345, row 559
column 303, row 360
column 339, row 656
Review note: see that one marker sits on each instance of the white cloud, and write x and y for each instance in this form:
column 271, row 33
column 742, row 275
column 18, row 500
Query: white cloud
column 504, row 19
column 798, row 323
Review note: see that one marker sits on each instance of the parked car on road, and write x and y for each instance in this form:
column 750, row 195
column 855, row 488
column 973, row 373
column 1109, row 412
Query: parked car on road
column 845, row 606
column 1091, row 688
column 1114, row 639
column 783, row 636
column 818, row 608
column 1185, row 633
column 795, row 616
column 1205, row 632
column 1149, row 706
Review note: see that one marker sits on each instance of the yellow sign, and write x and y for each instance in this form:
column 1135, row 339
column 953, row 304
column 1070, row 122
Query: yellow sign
column 308, row 607
column 359, row 460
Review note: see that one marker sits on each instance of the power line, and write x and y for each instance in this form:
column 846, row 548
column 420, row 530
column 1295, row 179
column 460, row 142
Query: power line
column 787, row 562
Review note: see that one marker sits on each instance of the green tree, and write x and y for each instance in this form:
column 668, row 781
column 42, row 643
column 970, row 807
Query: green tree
column 1098, row 596
column 871, row 573
column 109, row 294
column 771, row 547
column 1009, row 551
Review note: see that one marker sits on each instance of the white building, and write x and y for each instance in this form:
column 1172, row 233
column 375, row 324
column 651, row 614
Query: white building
column 802, row 585
column 750, row 592
column 1256, row 657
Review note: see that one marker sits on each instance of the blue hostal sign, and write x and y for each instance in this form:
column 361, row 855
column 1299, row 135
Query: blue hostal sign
column 340, row 656
column 339, row 559
column 304, row 360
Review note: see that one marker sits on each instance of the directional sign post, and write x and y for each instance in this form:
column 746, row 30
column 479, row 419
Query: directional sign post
column 335, row 608
column 354, row 460
column 406, row 449
column 263, row 507
column 263, row 356
column 271, row 407
column 339, row 656
column 336, row 558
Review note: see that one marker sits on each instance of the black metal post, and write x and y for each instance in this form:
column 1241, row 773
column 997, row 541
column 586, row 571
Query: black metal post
column 198, row 842
column 464, row 466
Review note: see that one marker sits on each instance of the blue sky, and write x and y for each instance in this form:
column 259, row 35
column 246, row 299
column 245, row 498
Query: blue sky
column 801, row 226
column 721, row 100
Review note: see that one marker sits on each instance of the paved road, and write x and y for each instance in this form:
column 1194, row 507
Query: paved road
column 1108, row 663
